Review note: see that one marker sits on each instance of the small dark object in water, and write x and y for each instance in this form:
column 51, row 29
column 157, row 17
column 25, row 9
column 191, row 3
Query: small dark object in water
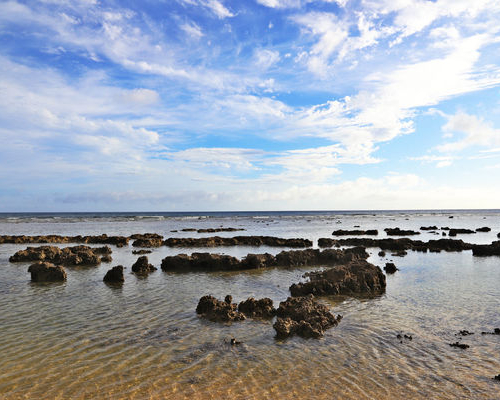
column 234, row 342
column 496, row 331
column 400, row 253
column 409, row 337
column 451, row 216
column 459, row 345
column 390, row 268
column 106, row 258
column 497, row 378
column 228, row 299
column 114, row 275
column 428, row 228
column 381, row 253
column 464, row 333
column 483, row 229
column 141, row 251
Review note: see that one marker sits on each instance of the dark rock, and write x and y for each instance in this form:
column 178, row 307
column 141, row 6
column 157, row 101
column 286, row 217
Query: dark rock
column 400, row 232
column 428, row 228
column 445, row 228
column 381, row 253
column 456, row 231
column 399, row 253
column 119, row 241
column 138, row 252
column 106, row 258
column 228, row 299
column 214, row 230
column 142, row 266
column 114, row 275
column 483, row 229
column 262, row 308
column 77, row 255
column 459, row 345
column 464, row 333
column 326, row 242
column 47, row 272
column 188, row 230
column 147, row 240
column 234, row 342
column 451, row 216
column 355, row 277
column 216, row 241
column 497, row 378
column 200, row 262
column 303, row 316
column 342, row 232
column 390, row 268
column 492, row 249
column 219, row 311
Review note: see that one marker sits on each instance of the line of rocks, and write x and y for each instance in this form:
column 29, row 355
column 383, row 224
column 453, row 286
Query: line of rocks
column 76, row 255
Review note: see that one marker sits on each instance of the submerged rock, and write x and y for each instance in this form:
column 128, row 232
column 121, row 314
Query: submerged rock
column 356, row 277
column 343, row 232
column 483, row 229
column 216, row 241
column 214, row 230
column 147, row 240
column 77, row 255
column 428, row 228
column 47, row 272
column 390, row 268
column 106, row 258
column 492, row 249
column 496, row 331
column 136, row 252
column 118, row 241
column 456, row 231
column 303, row 316
column 459, row 345
column 399, row 253
column 326, row 242
column 262, row 308
column 142, row 266
column 115, row 275
column 219, row 311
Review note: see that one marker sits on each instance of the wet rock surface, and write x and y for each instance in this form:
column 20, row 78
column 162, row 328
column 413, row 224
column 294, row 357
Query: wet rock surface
column 326, row 242
column 390, row 268
column 342, row 232
column 217, row 241
column 106, row 258
column 214, row 230
column 459, row 345
column 292, row 258
column 118, row 241
column 483, row 229
column 429, row 228
column 147, row 240
column 139, row 252
column 497, row 378
column 483, row 250
column 218, row 311
column 459, row 231
column 77, row 255
column 356, row 277
column 303, row 316
column 142, row 266
column 400, row 232
column 496, row 331
column 262, row 308
column 115, row 275
column 47, row 272
column 464, row 333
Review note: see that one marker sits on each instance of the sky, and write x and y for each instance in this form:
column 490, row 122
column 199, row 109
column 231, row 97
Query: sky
column 213, row 105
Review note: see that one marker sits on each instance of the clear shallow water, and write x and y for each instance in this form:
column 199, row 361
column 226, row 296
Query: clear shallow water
column 83, row 339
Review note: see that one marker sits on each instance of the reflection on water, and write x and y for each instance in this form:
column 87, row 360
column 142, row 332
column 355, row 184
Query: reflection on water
column 84, row 340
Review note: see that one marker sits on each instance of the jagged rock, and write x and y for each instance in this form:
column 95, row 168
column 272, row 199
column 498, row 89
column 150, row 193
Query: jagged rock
column 77, row 255
column 303, row 316
column 216, row 241
column 483, row 229
column 292, row 258
column 142, row 266
column 326, row 242
column 119, row 241
column 147, row 240
column 220, row 311
column 262, row 308
column 114, row 275
column 390, row 268
column 138, row 252
column 400, row 232
column 47, row 272
column 342, row 232
column 356, row 277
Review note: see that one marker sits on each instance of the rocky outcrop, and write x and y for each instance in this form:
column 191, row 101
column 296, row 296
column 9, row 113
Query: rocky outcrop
column 262, row 308
column 342, row 232
column 142, row 266
column 114, row 275
column 483, row 250
column 457, row 231
column 353, row 278
column 147, row 240
column 217, row 241
column 47, row 272
column 303, row 316
column 429, row 228
column 400, row 232
column 483, row 229
column 136, row 252
column 106, row 258
column 77, row 255
column 214, row 230
column 326, row 242
column 118, row 241
column 292, row 258
column 390, row 268
column 218, row 311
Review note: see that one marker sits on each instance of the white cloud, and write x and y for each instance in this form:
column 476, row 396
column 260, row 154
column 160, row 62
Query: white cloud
column 192, row 30
column 265, row 58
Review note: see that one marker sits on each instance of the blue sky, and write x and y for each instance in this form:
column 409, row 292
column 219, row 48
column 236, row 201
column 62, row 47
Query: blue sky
column 249, row 105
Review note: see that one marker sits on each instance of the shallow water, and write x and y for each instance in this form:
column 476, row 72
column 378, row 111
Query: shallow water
column 83, row 339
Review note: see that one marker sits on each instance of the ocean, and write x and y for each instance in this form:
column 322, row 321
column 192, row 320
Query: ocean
column 83, row 339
